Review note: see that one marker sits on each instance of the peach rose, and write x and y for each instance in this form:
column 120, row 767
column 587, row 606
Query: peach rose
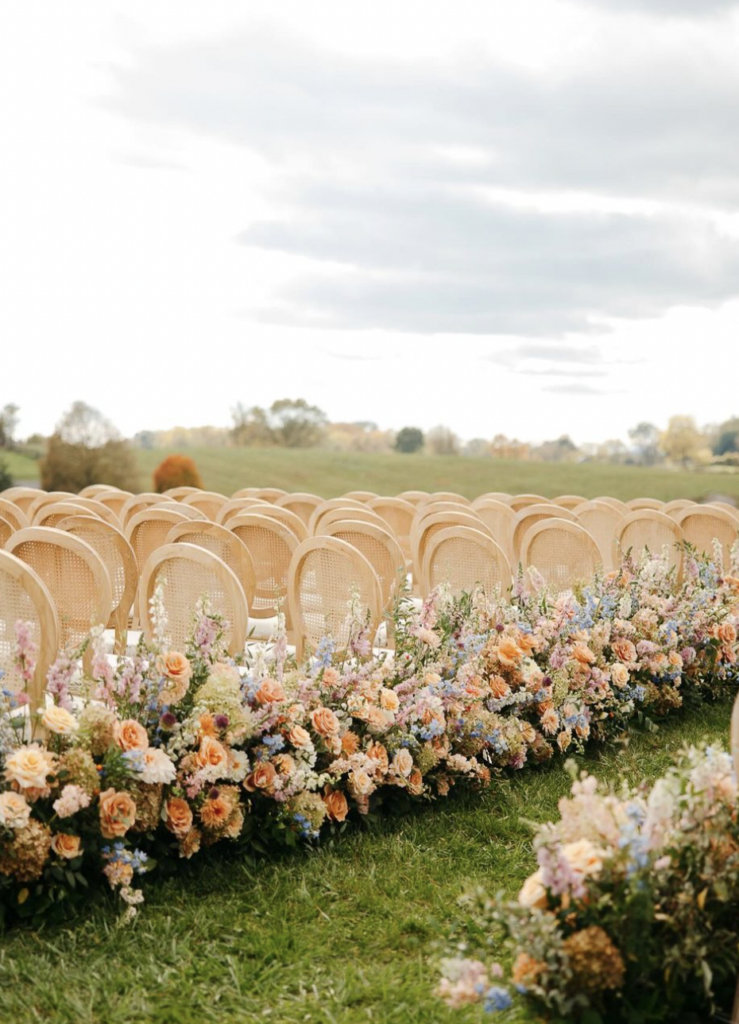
column 564, row 739
column 727, row 633
column 350, row 742
column 178, row 816
column 59, row 721
column 177, row 671
column 499, row 687
column 284, row 764
column 582, row 653
column 624, row 650
column 336, row 806
column 66, row 846
column 29, row 767
column 377, row 752
column 583, row 857
column 211, row 754
column 117, row 814
column 263, row 777
column 415, row 782
column 550, row 721
column 389, row 700
column 130, row 735
column 403, row 762
column 325, row 722
column 533, row 894
column 619, row 675
column 270, row 691
column 360, row 782
column 14, row 810
column 190, row 844
column 298, row 736
column 509, row 653
column 330, row 676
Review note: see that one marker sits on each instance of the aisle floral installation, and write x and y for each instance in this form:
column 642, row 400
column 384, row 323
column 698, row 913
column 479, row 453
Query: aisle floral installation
column 631, row 915
column 156, row 758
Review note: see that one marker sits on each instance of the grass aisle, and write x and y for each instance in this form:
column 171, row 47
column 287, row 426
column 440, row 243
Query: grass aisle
column 335, row 937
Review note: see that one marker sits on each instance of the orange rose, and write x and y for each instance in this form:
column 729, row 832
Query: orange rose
column 624, row 650
column 190, row 843
column 117, row 814
column 270, row 691
column 727, row 633
column 415, row 782
column 211, row 753
column 499, row 687
column 284, row 764
column 177, row 671
column 526, row 642
column 330, row 676
column 263, row 777
column 582, row 653
column 66, row 846
column 298, row 736
column 377, row 752
column 509, row 653
column 130, row 735
column 325, row 722
column 179, row 816
column 350, row 743
column 403, row 762
column 336, row 806
column 389, row 700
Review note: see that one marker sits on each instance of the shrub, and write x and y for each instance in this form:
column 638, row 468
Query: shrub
column 409, row 439
column 176, row 471
column 6, row 480
column 71, row 466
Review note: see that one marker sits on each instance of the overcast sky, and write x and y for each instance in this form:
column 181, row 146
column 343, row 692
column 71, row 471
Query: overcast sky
column 508, row 218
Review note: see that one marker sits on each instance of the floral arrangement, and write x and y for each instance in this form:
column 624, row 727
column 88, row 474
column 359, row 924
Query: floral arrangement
column 631, row 914
column 157, row 757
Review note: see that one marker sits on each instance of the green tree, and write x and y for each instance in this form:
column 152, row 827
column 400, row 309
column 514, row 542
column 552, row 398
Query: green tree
column 8, row 425
column 296, row 424
column 682, row 441
column 728, row 437
column 409, row 439
column 6, row 480
column 645, row 437
column 442, row 441
column 87, row 449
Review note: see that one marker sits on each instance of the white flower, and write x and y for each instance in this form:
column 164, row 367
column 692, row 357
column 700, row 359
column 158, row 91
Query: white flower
column 14, row 810
column 158, row 768
column 239, row 765
column 73, row 799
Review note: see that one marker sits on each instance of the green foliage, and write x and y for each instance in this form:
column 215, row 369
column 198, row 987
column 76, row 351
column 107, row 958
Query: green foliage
column 728, row 438
column 6, row 480
column 70, row 467
column 288, row 423
column 334, row 936
column 408, row 440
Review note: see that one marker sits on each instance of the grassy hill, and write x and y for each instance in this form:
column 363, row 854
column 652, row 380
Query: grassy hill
column 332, row 473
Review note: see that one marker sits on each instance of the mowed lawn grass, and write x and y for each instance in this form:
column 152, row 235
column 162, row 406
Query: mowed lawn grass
column 330, row 474
column 337, row 936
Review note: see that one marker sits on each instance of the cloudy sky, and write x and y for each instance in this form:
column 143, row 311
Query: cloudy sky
column 511, row 218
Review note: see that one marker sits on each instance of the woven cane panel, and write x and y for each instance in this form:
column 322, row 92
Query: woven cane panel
column 226, row 549
column 499, row 522
column 646, row 533
column 324, row 593
column 563, row 559
column 185, row 582
column 146, row 537
column 701, row 530
column 378, row 556
column 6, row 530
column 111, row 556
column 463, row 564
column 601, row 525
column 303, row 509
column 523, row 526
column 15, row 604
column 71, row 584
column 271, row 557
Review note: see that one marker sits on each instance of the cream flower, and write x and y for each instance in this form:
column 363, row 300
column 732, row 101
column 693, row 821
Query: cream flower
column 533, row 894
column 29, row 767
column 14, row 810
column 60, row 721
column 584, row 857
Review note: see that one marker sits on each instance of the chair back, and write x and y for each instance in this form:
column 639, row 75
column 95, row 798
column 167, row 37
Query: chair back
column 326, row 575
column 425, row 527
column 651, row 530
column 380, row 549
column 398, row 515
column 528, row 516
column 137, row 503
column 563, row 552
column 120, row 562
column 178, row 493
column 149, row 529
column 270, row 494
column 616, row 503
column 519, row 501
column 640, row 504
column 114, row 500
column 327, row 506
column 676, row 507
column 702, row 524
column 363, row 496
column 22, row 497
column 75, row 577
column 457, row 499
column 46, row 498
column 55, row 511
column 92, row 490
column 235, row 506
column 190, row 572
column 570, row 501
column 222, row 542
column 503, row 496
column 414, row 497
column 301, row 503
column 284, row 515
column 13, row 514
column 499, row 518
column 601, row 521
column 465, row 558
column 271, row 545
column 6, row 531
column 24, row 597
column 208, row 502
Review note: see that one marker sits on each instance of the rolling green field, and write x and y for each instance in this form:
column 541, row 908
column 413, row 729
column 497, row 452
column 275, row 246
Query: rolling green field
column 332, row 473
column 19, row 466
column 340, row 935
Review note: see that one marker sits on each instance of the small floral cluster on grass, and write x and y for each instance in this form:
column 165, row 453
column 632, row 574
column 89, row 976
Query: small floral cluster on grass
column 160, row 756
column 631, row 914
